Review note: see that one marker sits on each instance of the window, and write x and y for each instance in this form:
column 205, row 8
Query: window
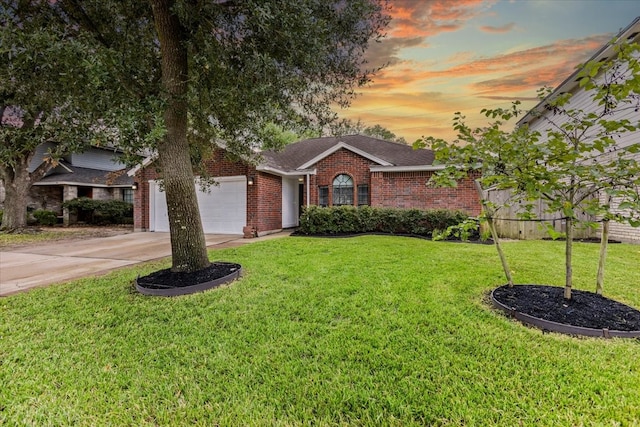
column 342, row 190
column 363, row 195
column 323, row 196
column 127, row 195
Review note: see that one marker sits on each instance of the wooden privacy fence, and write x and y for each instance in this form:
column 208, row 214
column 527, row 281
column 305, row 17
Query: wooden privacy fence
column 509, row 226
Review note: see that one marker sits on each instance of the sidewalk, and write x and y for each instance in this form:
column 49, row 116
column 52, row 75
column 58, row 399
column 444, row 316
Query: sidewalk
column 29, row 267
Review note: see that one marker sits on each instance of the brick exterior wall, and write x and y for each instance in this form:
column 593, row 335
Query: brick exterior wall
column 264, row 204
column 341, row 162
column 264, row 197
column 409, row 190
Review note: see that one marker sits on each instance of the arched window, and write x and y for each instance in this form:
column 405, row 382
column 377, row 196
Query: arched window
column 342, row 190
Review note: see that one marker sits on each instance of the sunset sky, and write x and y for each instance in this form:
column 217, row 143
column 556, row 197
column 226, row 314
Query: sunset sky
column 464, row 55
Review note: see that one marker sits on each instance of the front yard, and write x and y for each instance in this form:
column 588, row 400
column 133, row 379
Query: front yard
column 371, row 330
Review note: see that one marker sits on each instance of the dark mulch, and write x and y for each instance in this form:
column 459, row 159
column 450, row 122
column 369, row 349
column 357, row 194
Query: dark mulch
column 585, row 309
column 164, row 279
column 584, row 240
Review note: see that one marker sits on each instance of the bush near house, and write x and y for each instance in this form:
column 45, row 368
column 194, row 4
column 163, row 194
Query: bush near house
column 351, row 220
column 98, row 212
column 45, row 217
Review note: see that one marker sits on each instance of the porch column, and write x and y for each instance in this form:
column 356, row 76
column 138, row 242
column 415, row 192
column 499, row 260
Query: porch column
column 69, row 192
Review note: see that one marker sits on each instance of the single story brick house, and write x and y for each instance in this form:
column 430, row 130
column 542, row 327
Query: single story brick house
column 348, row 170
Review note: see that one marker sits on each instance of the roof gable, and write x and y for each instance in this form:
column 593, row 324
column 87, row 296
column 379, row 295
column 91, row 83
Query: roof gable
column 339, row 146
column 304, row 154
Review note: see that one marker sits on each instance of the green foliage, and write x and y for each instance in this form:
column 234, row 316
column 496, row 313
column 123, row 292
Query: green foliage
column 101, row 211
column 52, row 90
column 570, row 158
column 45, row 217
column 349, row 127
column 317, row 220
column 462, row 231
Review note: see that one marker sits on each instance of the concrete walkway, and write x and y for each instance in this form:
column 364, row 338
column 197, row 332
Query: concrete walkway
column 29, row 267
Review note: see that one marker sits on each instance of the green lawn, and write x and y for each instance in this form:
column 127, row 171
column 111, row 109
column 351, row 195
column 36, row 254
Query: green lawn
column 370, row 331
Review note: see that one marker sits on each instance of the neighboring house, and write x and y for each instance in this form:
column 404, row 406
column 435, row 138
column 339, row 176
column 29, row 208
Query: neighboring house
column 96, row 173
column 348, row 170
column 581, row 100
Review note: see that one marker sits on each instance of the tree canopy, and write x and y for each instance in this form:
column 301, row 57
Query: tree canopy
column 50, row 81
column 191, row 73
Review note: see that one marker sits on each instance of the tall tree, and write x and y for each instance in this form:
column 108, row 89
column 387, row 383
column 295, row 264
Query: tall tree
column 201, row 71
column 349, row 127
column 45, row 73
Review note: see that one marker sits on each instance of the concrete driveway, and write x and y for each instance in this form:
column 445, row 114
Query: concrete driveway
column 28, row 267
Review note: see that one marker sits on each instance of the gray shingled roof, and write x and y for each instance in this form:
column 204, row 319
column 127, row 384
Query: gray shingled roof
column 299, row 153
column 86, row 177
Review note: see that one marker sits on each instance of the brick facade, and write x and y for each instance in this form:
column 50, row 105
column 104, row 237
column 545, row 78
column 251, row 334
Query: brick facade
column 341, row 162
column 264, row 194
column 409, row 190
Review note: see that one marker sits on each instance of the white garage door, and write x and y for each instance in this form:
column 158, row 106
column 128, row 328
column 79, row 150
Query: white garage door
column 223, row 209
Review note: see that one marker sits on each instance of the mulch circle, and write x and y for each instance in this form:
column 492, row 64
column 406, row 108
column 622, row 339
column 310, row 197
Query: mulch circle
column 585, row 314
column 168, row 283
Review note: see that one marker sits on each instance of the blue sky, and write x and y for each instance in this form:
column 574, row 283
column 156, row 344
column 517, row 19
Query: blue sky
column 464, row 55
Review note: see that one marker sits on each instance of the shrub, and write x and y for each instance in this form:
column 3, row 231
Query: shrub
column 316, row 220
column 45, row 217
column 1, row 212
column 101, row 211
column 463, row 231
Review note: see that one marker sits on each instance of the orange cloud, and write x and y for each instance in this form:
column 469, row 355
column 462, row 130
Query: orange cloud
column 498, row 30
column 413, row 21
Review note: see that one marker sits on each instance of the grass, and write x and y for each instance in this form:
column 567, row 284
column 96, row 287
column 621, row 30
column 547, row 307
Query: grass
column 42, row 234
column 368, row 331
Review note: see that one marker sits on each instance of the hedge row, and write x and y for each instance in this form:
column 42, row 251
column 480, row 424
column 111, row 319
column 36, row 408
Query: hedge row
column 317, row 220
column 94, row 211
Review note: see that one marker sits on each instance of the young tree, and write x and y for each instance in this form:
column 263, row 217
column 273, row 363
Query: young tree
column 580, row 165
column 490, row 152
column 570, row 160
column 44, row 77
column 222, row 70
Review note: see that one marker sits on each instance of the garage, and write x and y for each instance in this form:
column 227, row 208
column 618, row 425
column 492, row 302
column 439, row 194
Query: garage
column 223, row 208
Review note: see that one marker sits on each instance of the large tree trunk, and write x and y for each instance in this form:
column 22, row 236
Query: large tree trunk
column 188, row 246
column 568, row 260
column 17, row 182
column 16, row 191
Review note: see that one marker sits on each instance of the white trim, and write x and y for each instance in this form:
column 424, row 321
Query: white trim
column 82, row 184
column 419, row 168
column 275, row 171
column 220, row 178
column 65, row 167
column 146, row 162
column 339, row 146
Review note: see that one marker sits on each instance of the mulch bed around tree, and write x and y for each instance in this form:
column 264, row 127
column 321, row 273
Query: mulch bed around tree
column 164, row 279
column 585, row 309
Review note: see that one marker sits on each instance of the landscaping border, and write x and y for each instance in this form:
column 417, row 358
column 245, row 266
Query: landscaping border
column 549, row 326
column 186, row 290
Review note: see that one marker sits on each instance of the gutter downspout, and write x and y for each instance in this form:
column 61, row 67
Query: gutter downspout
column 308, row 192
